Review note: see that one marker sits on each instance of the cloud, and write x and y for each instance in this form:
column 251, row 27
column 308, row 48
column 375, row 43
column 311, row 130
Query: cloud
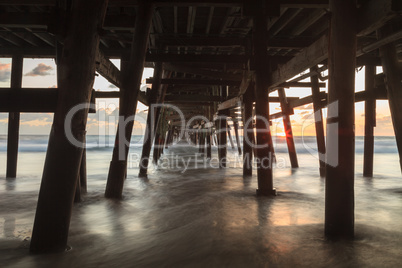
column 40, row 70
column 5, row 72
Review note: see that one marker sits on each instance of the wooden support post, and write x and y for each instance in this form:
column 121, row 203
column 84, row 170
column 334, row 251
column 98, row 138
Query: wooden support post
column 319, row 122
column 369, row 124
column 264, row 157
column 14, row 120
column 77, row 195
column 222, row 141
column 150, row 128
column 131, row 71
column 288, row 128
column 236, row 129
column 83, row 172
column 209, row 155
column 339, row 185
column 393, row 73
column 63, row 158
column 230, row 136
column 248, row 131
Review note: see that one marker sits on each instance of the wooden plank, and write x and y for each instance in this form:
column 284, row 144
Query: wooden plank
column 374, row 14
column 28, row 100
column 204, row 3
column 187, row 58
column 192, row 98
column 184, row 68
column 234, row 102
column 107, row 69
column 311, row 56
column 195, row 81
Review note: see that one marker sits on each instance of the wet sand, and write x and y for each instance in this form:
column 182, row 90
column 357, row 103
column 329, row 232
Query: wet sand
column 208, row 217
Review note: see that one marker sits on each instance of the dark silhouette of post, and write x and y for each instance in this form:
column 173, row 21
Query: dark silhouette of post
column 222, row 141
column 149, row 131
column 264, row 157
column 236, row 129
column 288, row 128
column 393, row 72
column 63, row 158
column 131, row 72
column 369, row 121
column 14, row 120
column 248, row 131
column 340, row 173
column 230, row 137
column 319, row 122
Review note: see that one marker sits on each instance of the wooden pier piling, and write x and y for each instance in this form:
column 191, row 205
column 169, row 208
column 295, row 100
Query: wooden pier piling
column 131, row 69
column 264, row 157
column 222, row 141
column 339, row 185
column 151, row 120
column 230, row 136
column 393, row 72
column 369, row 121
column 248, row 131
column 288, row 128
column 318, row 120
column 63, row 159
column 14, row 120
column 236, row 129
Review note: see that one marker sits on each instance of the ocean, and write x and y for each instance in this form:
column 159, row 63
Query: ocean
column 188, row 213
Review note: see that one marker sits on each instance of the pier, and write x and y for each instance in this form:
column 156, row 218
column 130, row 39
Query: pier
column 218, row 65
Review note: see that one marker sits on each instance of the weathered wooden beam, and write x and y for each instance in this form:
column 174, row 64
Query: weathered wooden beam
column 318, row 51
column 195, row 81
column 374, row 14
column 75, row 82
column 311, row 56
column 187, row 58
column 111, row 73
column 28, row 100
column 25, row 19
column 107, row 69
column 309, row 20
column 192, row 98
column 203, row 3
column 234, row 102
column 183, row 68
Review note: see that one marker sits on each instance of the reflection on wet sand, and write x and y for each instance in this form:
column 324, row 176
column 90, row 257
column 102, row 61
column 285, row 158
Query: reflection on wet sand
column 210, row 218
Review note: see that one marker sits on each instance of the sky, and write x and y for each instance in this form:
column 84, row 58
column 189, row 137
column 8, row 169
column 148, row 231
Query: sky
column 42, row 73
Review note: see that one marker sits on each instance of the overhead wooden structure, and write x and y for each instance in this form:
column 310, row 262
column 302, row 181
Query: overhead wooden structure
column 216, row 56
